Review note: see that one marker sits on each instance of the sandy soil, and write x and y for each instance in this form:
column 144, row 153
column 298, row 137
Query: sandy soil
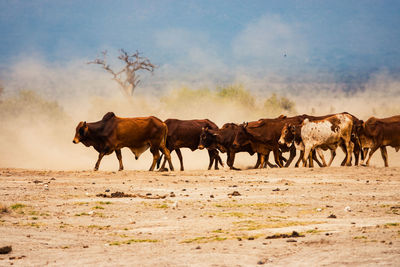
column 192, row 218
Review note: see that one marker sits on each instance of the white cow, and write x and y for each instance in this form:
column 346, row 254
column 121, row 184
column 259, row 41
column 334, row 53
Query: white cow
column 321, row 135
column 330, row 132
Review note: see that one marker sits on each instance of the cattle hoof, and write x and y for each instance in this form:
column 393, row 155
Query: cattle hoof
column 163, row 170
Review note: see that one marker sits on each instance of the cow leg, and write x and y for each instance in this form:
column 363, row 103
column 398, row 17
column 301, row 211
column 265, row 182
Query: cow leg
column 267, row 163
column 384, row 156
column 356, row 152
column 307, row 150
column 321, row 155
column 179, row 153
column 349, row 151
column 217, row 159
column 311, row 157
column 262, row 160
column 211, row 155
column 333, row 155
column 258, row 161
column 156, row 156
column 371, row 152
column 167, row 156
column 300, row 158
column 292, row 155
column 164, row 161
column 230, row 160
column 315, row 158
column 364, row 156
column 119, row 157
column 277, row 158
column 101, row 155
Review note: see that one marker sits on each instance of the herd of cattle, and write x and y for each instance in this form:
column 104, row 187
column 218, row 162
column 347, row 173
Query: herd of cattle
column 308, row 134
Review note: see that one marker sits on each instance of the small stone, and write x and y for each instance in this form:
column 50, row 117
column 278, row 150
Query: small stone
column 262, row 262
column 198, row 247
column 276, row 189
column 5, row 250
column 211, row 196
column 332, row 216
column 107, row 190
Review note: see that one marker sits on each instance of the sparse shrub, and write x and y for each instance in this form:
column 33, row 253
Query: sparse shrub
column 275, row 105
column 236, row 93
column 30, row 105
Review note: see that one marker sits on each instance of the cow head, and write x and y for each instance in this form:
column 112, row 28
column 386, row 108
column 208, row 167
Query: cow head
column 81, row 132
column 288, row 134
column 207, row 138
column 358, row 127
column 241, row 137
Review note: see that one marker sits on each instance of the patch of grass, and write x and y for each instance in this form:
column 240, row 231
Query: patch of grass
column 255, row 206
column 204, row 239
column 252, row 225
column 98, row 208
column 314, row 231
column 130, row 241
column 392, row 224
column 104, row 202
column 82, row 214
column 162, row 206
column 360, row 237
column 17, row 206
column 98, row 227
column 233, row 214
column 34, row 218
column 81, row 203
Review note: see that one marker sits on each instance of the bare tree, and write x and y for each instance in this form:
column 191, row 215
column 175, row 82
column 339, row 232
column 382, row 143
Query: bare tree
column 127, row 77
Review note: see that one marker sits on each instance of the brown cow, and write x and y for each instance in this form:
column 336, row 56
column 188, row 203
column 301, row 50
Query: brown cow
column 263, row 136
column 186, row 133
column 222, row 139
column 113, row 133
column 378, row 133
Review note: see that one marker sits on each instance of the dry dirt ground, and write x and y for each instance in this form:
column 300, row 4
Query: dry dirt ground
column 342, row 215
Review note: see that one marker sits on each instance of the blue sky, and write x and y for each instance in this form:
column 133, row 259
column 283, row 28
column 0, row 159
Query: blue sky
column 294, row 38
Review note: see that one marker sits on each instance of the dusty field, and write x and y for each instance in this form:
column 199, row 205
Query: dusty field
column 55, row 217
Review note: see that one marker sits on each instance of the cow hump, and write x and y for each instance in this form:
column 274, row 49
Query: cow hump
column 108, row 116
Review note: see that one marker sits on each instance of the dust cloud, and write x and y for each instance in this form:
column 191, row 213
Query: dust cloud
column 43, row 102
